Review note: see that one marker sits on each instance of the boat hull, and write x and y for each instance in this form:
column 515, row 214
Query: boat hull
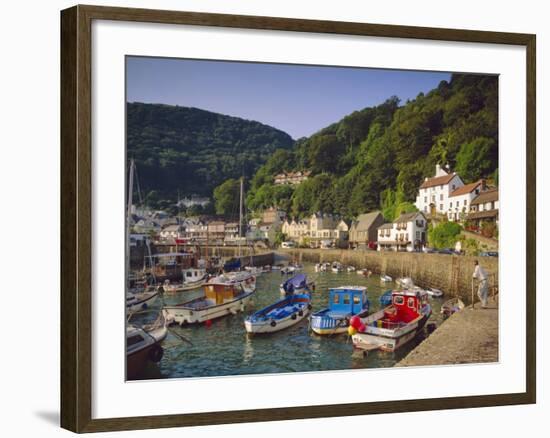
column 143, row 303
column 388, row 339
column 186, row 315
column 324, row 324
column 281, row 324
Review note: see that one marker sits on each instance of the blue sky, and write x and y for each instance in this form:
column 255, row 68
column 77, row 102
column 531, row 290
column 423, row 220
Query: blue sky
column 297, row 99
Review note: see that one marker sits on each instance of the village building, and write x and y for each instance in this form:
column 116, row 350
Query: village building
column 273, row 216
column 147, row 226
column 192, row 201
column 172, row 232
column 460, row 200
column 216, row 231
column 196, row 231
column 363, row 231
column 291, row 177
column 484, row 208
column 318, row 230
column 231, row 231
column 434, row 193
column 406, row 233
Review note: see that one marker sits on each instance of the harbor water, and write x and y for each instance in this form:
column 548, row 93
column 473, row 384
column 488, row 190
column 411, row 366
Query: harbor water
column 224, row 348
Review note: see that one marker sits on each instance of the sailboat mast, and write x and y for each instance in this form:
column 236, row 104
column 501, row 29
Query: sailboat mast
column 128, row 217
column 241, row 215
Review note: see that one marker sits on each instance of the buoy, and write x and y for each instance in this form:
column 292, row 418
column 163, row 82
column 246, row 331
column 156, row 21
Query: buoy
column 352, row 330
column 208, row 322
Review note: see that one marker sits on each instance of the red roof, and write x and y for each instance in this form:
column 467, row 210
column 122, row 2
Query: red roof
column 437, row 181
column 468, row 188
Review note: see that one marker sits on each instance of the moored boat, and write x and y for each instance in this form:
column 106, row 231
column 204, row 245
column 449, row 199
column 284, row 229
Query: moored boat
column 280, row 315
column 364, row 272
column 143, row 346
column 385, row 278
column 192, row 279
column 336, row 267
column 452, row 306
column 434, row 292
column 350, row 268
column 344, row 303
column 395, row 325
column 385, row 298
column 140, row 301
column 296, row 285
column 220, row 299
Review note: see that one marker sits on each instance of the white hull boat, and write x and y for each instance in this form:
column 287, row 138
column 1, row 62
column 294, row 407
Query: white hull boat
column 220, row 299
column 140, row 301
column 280, row 315
column 385, row 278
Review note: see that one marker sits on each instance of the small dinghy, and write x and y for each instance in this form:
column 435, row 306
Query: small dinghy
column 296, row 285
column 452, row 306
column 336, row 267
column 351, row 268
column 385, row 298
column 405, row 282
column 434, row 292
column 192, row 279
column 280, row 315
column 344, row 302
column 364, row 272
column 385, row 278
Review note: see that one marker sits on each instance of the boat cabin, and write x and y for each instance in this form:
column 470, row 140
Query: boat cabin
column 220, row 293
column 406, row 306
column 347, row 300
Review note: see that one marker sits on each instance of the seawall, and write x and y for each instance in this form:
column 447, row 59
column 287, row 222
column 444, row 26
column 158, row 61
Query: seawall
column 451, row 274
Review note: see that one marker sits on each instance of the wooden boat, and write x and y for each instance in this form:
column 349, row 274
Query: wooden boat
column 192, row 279
column 452, row 306
column 296, row 285
column 344, row 302
column 220, row 299
column 280, row 315
column 140, row 301
column 143, row 346
column 247, row 279
column 385, row 298
column 385, row 278
column 395, row 325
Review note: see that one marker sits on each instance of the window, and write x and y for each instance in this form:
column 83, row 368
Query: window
column 425, row 199
column 418, row 235
column 454, row 187
column 356, row 299
column 336, row 299
column 450, row 204
column 398, row 300
column 411, row 303
column 465, row 202
column 441, row 197
column 346, row 299
column 441, row 207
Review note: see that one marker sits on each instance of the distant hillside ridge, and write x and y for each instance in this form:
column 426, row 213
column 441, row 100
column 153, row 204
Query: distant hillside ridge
column 183, row 151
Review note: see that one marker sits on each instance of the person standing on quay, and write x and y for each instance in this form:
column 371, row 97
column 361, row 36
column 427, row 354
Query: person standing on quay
column 482, row 289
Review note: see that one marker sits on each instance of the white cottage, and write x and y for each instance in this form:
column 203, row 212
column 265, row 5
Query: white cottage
column 434, row 193
column 406, row 233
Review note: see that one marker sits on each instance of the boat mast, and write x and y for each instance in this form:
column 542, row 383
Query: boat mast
column 128, row 219
column 241, row 215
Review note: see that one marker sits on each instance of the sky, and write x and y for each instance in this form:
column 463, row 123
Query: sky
column 299, row 100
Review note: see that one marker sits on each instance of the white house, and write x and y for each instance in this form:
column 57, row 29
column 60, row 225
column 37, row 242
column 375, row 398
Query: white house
column 319, row 227
column 434, row 193
column 484, row 208
column 406, row 233
column 461, row 198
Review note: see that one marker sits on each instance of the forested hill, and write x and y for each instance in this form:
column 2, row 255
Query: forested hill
column 377, row 157
column 192, row 151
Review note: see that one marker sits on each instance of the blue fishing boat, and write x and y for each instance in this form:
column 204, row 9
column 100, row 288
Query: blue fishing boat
column 385, row 298
column 296, row 285
column 344, row 302
column 280, row 315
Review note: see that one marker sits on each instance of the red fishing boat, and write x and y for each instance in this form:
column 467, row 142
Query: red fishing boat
column 395, row 325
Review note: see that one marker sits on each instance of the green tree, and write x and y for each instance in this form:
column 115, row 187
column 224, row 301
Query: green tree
column 226, row 198
column 477, row 158
column 444, row 235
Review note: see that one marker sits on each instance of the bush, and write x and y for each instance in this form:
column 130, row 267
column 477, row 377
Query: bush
column 444, row 235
